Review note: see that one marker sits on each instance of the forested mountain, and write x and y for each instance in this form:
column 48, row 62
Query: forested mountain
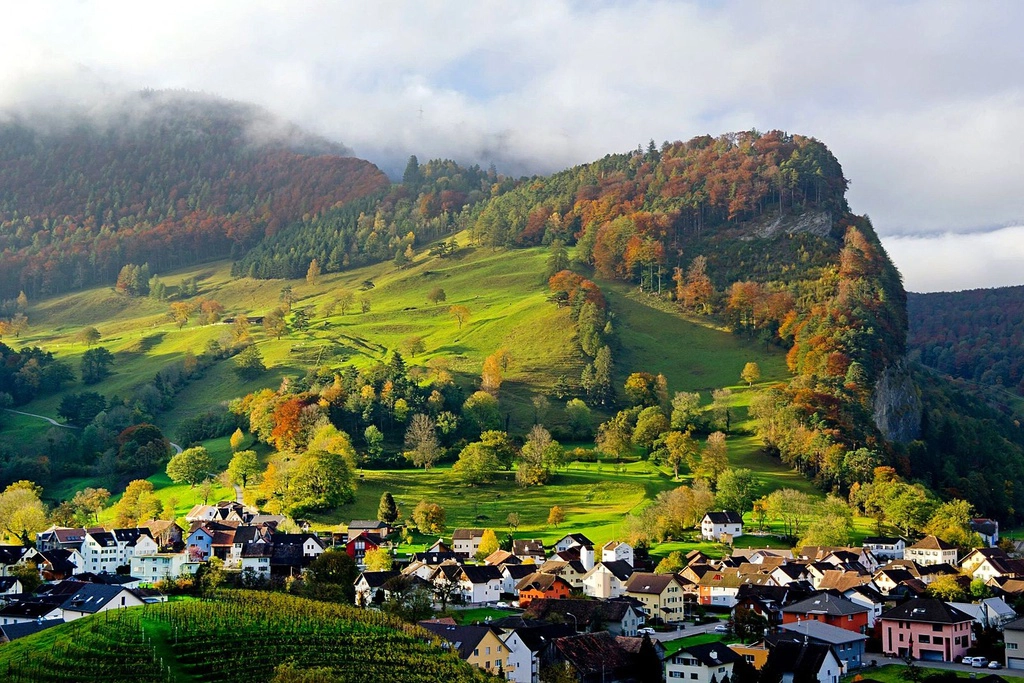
column 976, row 335
column 165, row 178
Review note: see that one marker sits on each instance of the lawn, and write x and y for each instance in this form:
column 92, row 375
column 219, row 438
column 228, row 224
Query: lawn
column 893, row 673
column 674, row 646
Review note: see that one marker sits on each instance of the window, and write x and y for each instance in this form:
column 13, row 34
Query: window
column 476, row 652
column 937, row 628
column 925, row 639
column 488, row 650
column 693, row 677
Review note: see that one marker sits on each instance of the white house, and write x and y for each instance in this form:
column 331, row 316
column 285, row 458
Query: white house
column 715, row 525
column 255, row 557
column 885, row 547
column 101, row 552
column 93, row 598
column 466, row 542
column 480, row 584
column 931, row 550
column 701, row 663
column 607, row 579
column 525, row 646
column 613, row 551
column 159, row 566
column 570, row 541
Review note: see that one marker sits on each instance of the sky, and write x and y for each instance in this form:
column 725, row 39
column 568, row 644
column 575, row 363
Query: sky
column 922, row 101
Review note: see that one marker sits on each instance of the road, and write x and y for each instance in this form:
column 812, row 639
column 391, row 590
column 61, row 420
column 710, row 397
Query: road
column 946, row 666
column 689, row 630
column 176, row 447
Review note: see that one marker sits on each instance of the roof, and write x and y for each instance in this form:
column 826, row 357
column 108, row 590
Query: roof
column 645, row 582
column 724, row 517
column 712, row 654
column 929, row 610
column 464, row 638
column 528, row 546
column 932, row 543
column 66, row 535
column 982, row 525
column 501, row 557
column 434, row 558
column 539, row 582
column 1015, row 625
column 578, row 539
column 104, row 539
column 585, row 611
column 825, row 603
column 536, row 635
column 370, row 524
column 791, row 656
column 590, row 653
column 467, row 534
column 882, row 540
column 378, row 579
column 620, row 569
column 255, row 550
column 91, row 597
column 130, row 536
column 481, row 574
column 7, row 583
column 820, row 631
column 15, row 631
column 518, row 571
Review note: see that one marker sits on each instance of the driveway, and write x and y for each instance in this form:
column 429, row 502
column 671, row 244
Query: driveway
column 689, row 630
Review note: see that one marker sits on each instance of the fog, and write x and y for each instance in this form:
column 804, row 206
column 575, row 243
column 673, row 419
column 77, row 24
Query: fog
column 919, row 100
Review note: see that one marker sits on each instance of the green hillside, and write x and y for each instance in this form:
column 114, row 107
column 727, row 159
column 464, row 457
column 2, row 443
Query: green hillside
column 239, row 636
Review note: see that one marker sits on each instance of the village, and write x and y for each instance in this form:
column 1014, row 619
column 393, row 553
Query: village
column 600, row 612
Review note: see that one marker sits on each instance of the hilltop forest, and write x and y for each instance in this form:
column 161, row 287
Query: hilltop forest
column 748, row 232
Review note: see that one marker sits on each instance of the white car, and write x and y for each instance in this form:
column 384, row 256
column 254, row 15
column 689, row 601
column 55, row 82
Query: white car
column 646, row 629
column 979, row 662
column 502, row 605
column 721, row 628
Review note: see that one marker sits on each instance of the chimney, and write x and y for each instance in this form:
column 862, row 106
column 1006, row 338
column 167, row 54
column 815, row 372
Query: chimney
column 587, row 557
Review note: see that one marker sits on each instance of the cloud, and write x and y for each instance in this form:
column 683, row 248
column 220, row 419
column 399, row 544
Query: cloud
column 952, row 262
column 920, row 100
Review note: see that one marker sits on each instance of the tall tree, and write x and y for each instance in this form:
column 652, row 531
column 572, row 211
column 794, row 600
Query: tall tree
column 387, row 511
column 191, row 466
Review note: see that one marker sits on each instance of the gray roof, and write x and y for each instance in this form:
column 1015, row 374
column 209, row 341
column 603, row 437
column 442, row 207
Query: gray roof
column 15, row 631
column 931, row 610
column 825, row 603
column 92, row 597
column 825, row 633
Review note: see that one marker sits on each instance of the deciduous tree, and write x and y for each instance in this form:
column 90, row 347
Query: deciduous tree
column 192, row 466
column 556, row 516
column 243, row 466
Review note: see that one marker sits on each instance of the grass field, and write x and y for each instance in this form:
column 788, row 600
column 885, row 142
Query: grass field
column 507, row 296
column 894, row 673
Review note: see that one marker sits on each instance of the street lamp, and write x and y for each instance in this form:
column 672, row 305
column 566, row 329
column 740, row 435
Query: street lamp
column 575, row 622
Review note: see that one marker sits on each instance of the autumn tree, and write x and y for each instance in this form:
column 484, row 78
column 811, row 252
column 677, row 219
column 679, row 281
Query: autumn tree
column 345, row 299
column 210, row 312
column 191, row 466
column 460, row 313
column 429, row 517
column 243, row 466
column 274, row 323
column 686, row 410
column 88, row 336
column 476, row 464
column 322, row 480
column 421, row 442
column 697, row 290
column 313, row 273
column 22, row 513
column 488, row 544
column 735, row 489
column 180, row 312
column 237, row 439
column 714, row 458
column 946, row 588
column 436, row 295
column 751, row 373
column 680, row 449
column 138, row 503
column 651, row 423
column 789, row 507
column 88, row 503
column 540, row 455
column 556, row 516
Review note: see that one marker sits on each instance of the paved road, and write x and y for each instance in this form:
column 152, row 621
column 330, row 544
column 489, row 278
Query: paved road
column 176, row 447
column 947, row 666
column 689, row 630
column 238, row 494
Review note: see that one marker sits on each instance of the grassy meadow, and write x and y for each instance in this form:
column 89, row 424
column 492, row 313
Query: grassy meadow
column 506, row 293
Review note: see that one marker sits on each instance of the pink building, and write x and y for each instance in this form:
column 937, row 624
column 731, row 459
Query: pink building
column 927, row 629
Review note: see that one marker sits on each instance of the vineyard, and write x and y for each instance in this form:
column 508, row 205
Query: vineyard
column 239, row 636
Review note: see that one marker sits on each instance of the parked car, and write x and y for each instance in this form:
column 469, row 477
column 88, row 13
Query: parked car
column 721, row 628
column 502, row 605
column 646, row 629
column 995, row 665
column 979, row 662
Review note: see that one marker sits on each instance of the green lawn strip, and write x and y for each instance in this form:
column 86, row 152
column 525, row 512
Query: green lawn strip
column 479, row 615
column 674, row 646
column 893, row 673
column 159, row 633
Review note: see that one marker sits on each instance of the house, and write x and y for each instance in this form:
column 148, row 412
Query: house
column 755, row 654
column 481, row 646
column 11, row 632
column 847, row 645
column 661, row 595
column 59, row 564
column 256, row 558
column 512, row 574
column 223, row 511
column 785, row 574
column 538, row 585
column 92, row 598
column 525, row 645
column 370, row 526
column 370, row 587
column 35, row 608
column 988, row 529
column 166, row 533
column 500, row 557
column 721, row 526
column 591, row 657
column 931, row 550
column 529, row 549
column 10, row 585
column 618, row 617
column 767, row 601
column 479, row 585
column 466, row 542
column 868, row 597
column 989, row 563
column 926, row 628
column 706, row 663
column 1013, row 636
column 607, row 579
column 57, row 537
column 617, row 551
column 572, row 571
column 718, row 588
column 830, row 609
column 987, row 613
column 572, row 541
column 160, row 566
column 101, row 552
column 358, row 546
column 247, row 534
column 793, row 660
column 310, row 544
column 203, row 536
column 885, row 547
